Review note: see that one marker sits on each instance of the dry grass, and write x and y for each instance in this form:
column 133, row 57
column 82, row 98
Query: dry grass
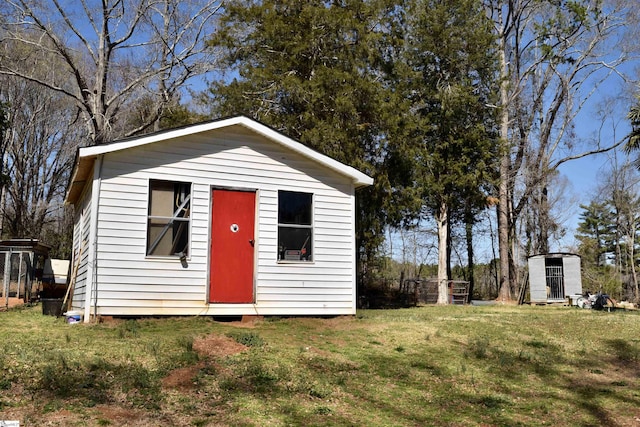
column 453, row 366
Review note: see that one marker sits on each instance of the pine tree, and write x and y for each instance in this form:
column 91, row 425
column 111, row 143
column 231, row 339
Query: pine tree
column 595, row 231
column 447, row 76
column 633, row 143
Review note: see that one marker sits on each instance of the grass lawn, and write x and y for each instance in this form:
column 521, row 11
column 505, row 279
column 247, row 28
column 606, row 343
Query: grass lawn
column 441, row 366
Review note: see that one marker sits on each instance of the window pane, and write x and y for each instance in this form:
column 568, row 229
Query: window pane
column 294, row 208
column 294, row 244
column 167, row 237
column 165, row 197
column 168, row 222
column 161, row 198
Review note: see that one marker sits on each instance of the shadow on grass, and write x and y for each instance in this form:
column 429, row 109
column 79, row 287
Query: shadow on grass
column 609, row 375
column 98, row 380
column 626, row 352
column 514, row 366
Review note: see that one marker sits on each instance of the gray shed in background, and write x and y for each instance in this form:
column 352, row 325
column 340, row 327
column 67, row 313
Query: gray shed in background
column 554, row 277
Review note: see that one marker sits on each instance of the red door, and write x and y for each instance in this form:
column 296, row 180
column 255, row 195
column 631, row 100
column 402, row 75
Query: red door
column 232, row 241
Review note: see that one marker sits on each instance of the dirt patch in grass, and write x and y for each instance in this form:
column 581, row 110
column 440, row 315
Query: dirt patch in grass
column 102, row 414
column 212, row 346
column 120, row 416
column 337, row 323
column 14, row 302
column 215, row 345
column 182, row 378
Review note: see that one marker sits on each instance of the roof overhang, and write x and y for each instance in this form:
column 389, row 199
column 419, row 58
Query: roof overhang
column 32, row 245
column 555, row 255
column 79, row 177
column 87, row 155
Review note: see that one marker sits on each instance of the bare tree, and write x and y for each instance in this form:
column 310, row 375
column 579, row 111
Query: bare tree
column 542, row 219
column 39, row 151
column 417, row 245
column 111, row 52
column 554, row 56
column 622, row 188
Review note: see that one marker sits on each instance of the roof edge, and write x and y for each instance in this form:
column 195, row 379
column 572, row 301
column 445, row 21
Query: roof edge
column 555, row 254
column 360, row 179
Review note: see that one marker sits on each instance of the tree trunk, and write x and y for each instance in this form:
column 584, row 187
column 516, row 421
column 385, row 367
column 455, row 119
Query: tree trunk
column 442, row 220
column 632, row 255
column 504, row 292
column 449, row 247
column 469, row 233
column 544, row 222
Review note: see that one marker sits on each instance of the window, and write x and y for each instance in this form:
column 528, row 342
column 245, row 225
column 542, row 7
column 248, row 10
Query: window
column 168, row 218
column 295, row 215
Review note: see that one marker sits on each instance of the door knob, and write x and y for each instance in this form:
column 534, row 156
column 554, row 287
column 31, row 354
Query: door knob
column 252, row 242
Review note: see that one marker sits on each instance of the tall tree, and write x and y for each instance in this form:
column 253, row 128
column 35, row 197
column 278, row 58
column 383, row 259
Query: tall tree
column 553, row 55
column 447, row 75
column 4, row 126
column 110, row 52
column 312, row 70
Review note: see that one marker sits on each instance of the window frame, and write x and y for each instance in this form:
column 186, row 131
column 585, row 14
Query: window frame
column 280, row 256
column 188, row 202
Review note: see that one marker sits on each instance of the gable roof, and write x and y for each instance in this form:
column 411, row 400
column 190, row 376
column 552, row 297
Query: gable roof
column 87, row 155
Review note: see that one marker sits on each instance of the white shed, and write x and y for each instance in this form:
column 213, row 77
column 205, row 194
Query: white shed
column 227, row 217
column 553, row 277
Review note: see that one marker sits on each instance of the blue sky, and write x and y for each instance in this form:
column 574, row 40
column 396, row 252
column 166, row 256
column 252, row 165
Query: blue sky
column 586, row 174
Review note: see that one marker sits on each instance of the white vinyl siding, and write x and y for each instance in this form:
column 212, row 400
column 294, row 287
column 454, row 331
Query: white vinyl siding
column 132, row 284
column 81, row 230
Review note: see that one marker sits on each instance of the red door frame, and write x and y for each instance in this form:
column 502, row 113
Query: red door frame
column 232, row 248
